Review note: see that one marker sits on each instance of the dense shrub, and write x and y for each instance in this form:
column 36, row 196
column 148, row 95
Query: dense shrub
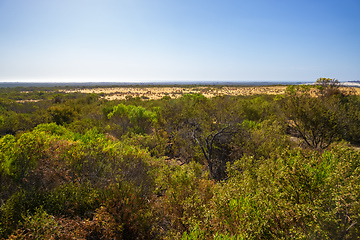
column 300, row 194
column 72, row 175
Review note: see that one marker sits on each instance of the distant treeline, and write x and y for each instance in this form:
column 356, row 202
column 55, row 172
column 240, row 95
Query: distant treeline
column 132, row 84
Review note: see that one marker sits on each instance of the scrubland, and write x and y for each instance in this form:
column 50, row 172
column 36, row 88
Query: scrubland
column 194, row 162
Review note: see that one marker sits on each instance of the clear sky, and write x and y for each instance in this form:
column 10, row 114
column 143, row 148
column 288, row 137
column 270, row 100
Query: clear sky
column 168, row 40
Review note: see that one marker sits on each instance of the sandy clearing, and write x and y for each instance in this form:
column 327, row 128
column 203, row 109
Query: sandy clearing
column 31, row 100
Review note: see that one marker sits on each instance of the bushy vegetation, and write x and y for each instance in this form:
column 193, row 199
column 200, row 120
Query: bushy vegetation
column 76, row 166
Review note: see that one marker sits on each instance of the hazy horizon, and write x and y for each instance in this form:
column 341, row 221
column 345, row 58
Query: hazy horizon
column 140, row 81
column 166, row 41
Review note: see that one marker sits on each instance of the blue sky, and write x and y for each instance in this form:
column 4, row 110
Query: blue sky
column 174, row 40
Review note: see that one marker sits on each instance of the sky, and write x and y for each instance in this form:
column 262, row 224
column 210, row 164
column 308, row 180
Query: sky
column 179, row 40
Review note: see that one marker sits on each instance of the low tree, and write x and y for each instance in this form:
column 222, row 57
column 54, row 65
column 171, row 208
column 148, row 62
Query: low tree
column 210, row 143
column 317, row 120
column 328, row 86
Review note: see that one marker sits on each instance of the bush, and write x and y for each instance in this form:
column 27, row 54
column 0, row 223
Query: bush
column 300, row 194
column 318, row 121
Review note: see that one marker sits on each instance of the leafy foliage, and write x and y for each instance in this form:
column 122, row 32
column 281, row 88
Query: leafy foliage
column 137, row 118
column 319, row 121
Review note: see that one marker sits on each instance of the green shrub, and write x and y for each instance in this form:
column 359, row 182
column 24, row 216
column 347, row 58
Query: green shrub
column 139, row 118
column 39, row 225
column 299, row 194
